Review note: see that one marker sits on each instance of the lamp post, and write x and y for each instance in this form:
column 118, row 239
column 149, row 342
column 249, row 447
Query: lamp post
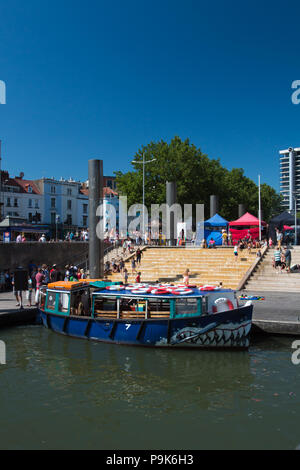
column 259, row 208
column 1, row 205
column 144, row 162
column 295, row 199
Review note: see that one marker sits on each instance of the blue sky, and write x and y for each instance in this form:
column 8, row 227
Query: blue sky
column 99, row 79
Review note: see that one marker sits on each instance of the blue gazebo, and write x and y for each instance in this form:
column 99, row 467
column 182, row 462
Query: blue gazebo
column 213, row 228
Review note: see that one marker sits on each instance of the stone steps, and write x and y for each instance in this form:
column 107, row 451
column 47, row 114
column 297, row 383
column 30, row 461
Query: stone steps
column 206, row 266
column 266, row 278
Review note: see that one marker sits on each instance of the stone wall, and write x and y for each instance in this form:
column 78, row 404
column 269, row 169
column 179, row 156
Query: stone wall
column 13, row 255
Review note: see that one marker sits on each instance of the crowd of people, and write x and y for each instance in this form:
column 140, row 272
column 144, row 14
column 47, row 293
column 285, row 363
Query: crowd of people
column 79, row 236
column 39, row 276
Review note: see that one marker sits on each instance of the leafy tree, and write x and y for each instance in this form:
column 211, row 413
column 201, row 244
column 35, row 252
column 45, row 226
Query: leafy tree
column 197, row 177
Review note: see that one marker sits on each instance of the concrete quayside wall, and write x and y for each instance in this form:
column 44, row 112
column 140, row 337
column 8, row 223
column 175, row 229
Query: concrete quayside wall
column 13, row 255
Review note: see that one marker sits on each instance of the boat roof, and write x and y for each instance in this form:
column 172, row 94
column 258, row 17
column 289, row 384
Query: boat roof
column 66, row 285
column 72, row 285
column 128, row 293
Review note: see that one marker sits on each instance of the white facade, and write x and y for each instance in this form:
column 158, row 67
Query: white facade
column 63, row 201
column 23, row 203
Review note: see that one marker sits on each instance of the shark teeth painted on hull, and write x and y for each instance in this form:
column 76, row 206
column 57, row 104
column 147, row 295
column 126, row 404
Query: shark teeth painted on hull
column 227, row 335
column 247, row 329
column 211, row 335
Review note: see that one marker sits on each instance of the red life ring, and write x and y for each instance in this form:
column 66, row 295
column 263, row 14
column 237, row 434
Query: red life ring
column 208, row 288
column 140, row 291
column 222, row 301
column 159, row 291
column 115, row 287
column 181, row 291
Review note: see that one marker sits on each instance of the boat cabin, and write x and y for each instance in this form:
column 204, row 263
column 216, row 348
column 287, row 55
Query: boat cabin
column 106, row 300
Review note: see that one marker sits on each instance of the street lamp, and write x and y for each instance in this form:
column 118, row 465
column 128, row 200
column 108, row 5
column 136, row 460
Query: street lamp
column 295, row 199
column 144, row 162
column 259, row 208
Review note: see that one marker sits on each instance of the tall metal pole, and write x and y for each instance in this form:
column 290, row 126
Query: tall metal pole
column 296, row 238
column 96, row 266
column 1, row 207
column 144, row 163
column 143, row 229
column 259, row 208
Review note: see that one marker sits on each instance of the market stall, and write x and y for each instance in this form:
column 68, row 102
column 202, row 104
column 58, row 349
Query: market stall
column 245, row 227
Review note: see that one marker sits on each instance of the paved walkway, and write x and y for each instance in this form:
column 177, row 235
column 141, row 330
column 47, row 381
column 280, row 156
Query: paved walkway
column 279, row 313
column 8, row 302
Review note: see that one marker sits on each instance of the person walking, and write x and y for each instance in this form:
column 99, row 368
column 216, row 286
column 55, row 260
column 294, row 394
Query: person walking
column 288, row 258
column 277, row 259
column 40, row 278
column 29, row 292
column 138, row 256
column 224, row 237
column 279, row 238
column 236, row 252
column 186, row 277
column 133, row 266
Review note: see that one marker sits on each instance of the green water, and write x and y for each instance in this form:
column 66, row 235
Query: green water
column 62, row 393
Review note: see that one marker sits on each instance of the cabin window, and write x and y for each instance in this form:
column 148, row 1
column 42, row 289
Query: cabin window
column 105, row 305
column 158, row 308
column 186, row 306
column 63, row 302
column 133, row 308
column 51, row 300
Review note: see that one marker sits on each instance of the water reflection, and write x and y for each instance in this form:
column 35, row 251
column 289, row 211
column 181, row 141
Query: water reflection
column 100, row 388
column 154, row 380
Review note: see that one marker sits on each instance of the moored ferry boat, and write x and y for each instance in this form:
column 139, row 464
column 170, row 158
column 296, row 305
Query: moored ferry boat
column 147, row 315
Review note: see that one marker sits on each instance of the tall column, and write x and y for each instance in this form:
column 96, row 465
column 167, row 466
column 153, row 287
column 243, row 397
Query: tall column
column 96, row 255
column 242, row 210
column 171, row 197
column 214, row 205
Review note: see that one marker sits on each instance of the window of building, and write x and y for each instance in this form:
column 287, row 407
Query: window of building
column 16, row 202
column 69, row 219
column 53, row 203
column 109, row 183
column 84, row 221
column 8, row 202
column 36, row 204
column 69, row 191
column 85, row 208
column 53, row 190
column 29, row 202
column 69, row 204
column 53, row 218
column 30, row 217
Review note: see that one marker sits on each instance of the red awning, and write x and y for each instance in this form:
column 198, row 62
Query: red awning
column 246, row 220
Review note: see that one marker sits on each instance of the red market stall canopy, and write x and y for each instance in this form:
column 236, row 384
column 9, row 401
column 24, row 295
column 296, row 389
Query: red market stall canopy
column 245, row 227
column 248, row 220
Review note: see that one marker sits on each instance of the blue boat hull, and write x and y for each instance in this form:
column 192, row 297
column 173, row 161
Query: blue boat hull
column 229, row 329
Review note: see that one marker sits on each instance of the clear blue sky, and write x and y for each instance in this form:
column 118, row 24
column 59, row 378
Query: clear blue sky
column 100, row 79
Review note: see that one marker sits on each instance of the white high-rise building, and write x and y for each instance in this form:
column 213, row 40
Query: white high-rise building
column 290, row 178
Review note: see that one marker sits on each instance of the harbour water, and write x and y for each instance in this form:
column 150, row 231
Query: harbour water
column 62, row 393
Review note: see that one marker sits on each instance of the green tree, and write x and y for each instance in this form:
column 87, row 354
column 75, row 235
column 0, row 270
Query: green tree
column 197, row 177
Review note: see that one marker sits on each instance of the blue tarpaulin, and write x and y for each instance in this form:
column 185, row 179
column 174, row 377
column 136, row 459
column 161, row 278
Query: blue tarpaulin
column 210, row 225
column 215, row 221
